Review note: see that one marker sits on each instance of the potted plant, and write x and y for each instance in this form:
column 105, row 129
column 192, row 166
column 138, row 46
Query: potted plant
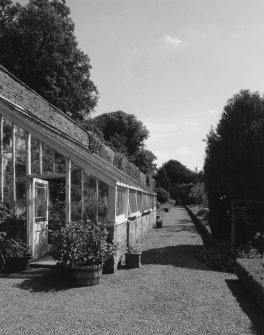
column 14, row 255
column 158, row 221
column 133, row 256
column 81, row 248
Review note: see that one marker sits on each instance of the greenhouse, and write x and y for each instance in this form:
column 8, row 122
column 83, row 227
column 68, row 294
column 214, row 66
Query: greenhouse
column 53, row 172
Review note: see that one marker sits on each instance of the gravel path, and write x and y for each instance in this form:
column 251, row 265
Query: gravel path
column 172, row 293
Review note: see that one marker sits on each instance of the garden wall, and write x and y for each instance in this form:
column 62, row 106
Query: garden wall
column 251, row 274
column 129, row 232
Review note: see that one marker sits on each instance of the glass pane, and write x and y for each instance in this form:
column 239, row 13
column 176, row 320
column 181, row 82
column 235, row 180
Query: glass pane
column 47, row 159
column 139, row 201
column 103, row 204
column 76, row 195
column 89, row 197
column 35, row 169
column 60, row 166
column 20, row 140
column 121, row 201
column 133, row 201
column 21, row 200
column 20, row 165
column 8, row 177
column 40, row 201
column 145, row 202
column 7, row 135
column 56, row 203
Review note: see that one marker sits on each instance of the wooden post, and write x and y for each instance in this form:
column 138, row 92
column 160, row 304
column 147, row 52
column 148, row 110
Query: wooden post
column 233, row 224
column 68, row 191
column 29, row 187
column 28, row 153
column 112, row 194
column 127, row 206
column 1, row 159
column 14, row 165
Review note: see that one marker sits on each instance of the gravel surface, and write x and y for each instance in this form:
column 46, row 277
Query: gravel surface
column 172, row 293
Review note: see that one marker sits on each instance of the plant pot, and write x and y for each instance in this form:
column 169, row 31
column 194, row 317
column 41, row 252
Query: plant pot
column 159, row 224
column 86, row 275
column 133, row 260
column 18, row 264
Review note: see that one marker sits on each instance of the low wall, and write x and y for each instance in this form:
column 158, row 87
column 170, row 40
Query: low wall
column 129, row 232
column 250, row 273
column 207, row 237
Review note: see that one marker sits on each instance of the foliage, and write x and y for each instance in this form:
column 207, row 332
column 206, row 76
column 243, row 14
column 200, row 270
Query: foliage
column 5, row 211
column 126, row 135
column 80, row 243
column 9, row 248
column 162, row 195
column 38, row 45
column 198, row 194
column 234, row 160
column 134, row 248
column 123, row 131
column 222, row 257
column 144, row 159
column 177, row 179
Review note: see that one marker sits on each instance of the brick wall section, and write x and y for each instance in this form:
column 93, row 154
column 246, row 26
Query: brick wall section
column 17, row 92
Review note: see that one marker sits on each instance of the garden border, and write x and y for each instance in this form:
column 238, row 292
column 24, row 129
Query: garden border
column 251, row 275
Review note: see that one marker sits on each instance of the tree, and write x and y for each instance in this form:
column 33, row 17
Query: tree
column 177, row 179
column 144, row 159
column 234, row 163
column 162, row 195
column 123, row 131
column 38, row 45
column 125, row 134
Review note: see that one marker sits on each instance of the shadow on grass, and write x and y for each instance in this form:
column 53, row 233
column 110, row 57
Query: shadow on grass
column 248, row 305
column 184, row 256
column 41, row 280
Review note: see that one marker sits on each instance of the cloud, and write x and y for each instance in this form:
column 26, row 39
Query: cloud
column 172, row 40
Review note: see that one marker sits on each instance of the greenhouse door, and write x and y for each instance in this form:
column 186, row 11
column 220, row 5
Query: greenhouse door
column 39, row 217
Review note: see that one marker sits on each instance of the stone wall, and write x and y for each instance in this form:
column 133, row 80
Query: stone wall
column 129, row 232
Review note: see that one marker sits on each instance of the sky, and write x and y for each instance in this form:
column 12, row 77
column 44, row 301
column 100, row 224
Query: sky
column 172, row 63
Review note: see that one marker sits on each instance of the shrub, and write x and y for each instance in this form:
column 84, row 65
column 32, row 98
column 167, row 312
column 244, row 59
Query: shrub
column 162, row 195
column 81, row 243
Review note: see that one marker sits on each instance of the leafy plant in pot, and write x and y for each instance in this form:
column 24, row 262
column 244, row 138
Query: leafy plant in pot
column 133, row 256
column 81, row 248
column 14, row 255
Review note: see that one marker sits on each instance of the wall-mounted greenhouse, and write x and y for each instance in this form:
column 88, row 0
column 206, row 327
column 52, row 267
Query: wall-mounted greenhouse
column 53, row 172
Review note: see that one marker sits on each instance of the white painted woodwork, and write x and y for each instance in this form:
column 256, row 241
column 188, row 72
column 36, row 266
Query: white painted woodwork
column 68, row 191
column 112, row 194
column 38, row 236
column 28, row 154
